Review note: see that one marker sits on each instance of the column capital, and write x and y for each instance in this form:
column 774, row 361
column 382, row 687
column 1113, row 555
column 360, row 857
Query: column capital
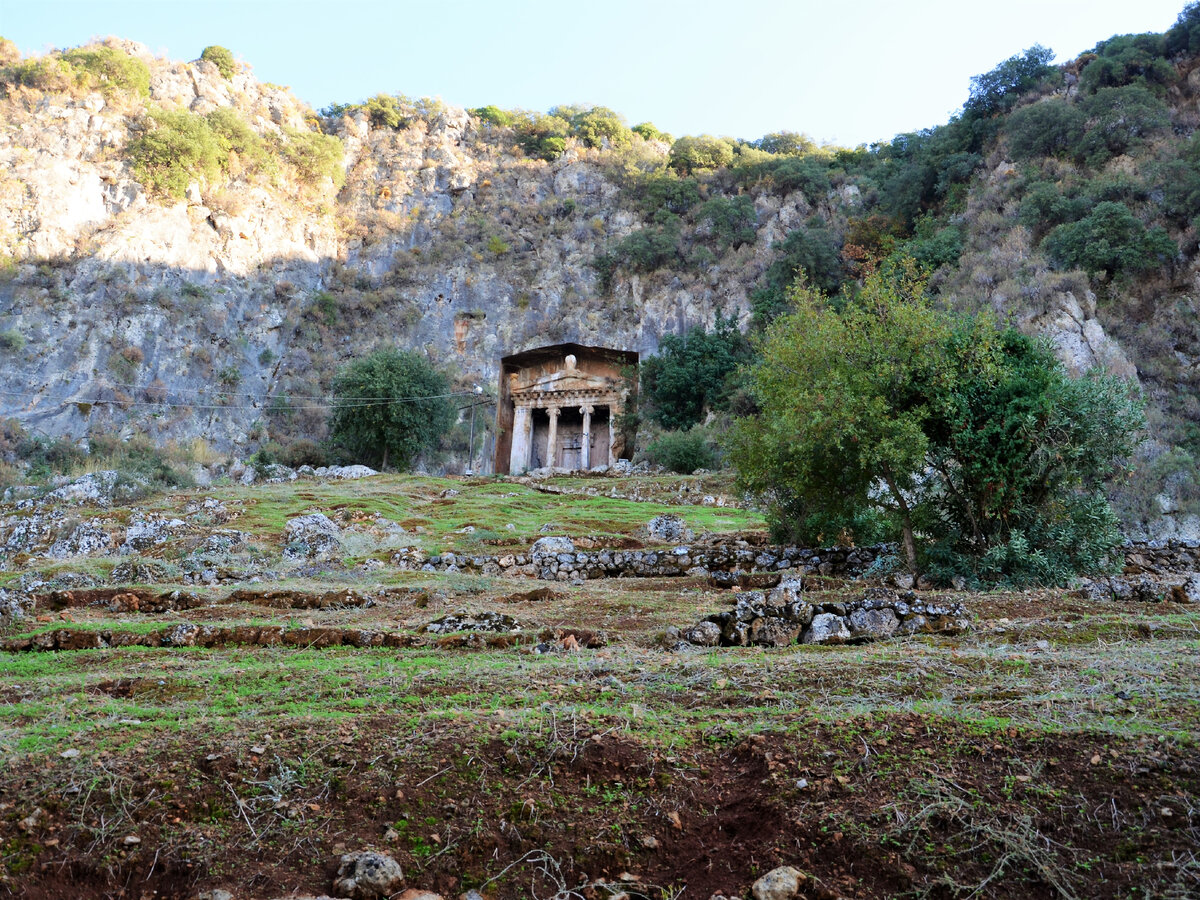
column 587, row 410
column 553, row 411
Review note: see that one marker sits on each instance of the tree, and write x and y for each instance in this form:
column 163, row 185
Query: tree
column 997, row 91
column 970, row 442
column 843, row 405
column 391, row 406
column 691, row 373
column 1112, row 240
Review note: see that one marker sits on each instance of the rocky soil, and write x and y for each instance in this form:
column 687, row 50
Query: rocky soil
column 248, row 708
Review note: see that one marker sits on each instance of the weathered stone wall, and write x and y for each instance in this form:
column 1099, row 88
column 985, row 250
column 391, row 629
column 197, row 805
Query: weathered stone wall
column 556, row 559
column 1159, row 557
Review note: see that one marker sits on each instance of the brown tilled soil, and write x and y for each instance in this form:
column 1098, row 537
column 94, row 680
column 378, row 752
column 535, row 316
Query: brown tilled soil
column 1050, row 752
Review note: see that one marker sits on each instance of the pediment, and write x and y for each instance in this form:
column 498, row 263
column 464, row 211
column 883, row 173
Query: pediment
column 569, row 381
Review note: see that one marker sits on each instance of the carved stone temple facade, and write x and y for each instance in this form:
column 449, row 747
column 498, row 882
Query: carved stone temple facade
column 557, row 406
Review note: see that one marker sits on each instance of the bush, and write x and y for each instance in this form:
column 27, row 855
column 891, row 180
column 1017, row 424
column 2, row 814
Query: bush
column 812, row 251
column 1047, row 128
column 733, row 220
column 669, row 192
column 493, row 115
column 1118, row 120
column 682, row 451
column 48, row 73
column 649, row 133
column 544, row 137
column 173, row 148
column 595, row 126
column 315, row 155
column 1128, row 59
column 692, row 374
column 111, row 70
column 692, row 154
column 785, row 143
column 222, row 58
column 1110, row 240
column 783, row 176
column 999, row 89
column 303, row 452
column 12, row 341
column 386, row 111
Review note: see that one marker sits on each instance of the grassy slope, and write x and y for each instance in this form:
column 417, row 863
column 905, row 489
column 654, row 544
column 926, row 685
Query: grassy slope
column 990, row 761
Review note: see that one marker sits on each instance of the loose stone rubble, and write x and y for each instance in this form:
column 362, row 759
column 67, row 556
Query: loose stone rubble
column 780, row 617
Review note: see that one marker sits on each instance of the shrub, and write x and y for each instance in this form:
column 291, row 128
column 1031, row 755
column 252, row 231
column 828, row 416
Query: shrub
column 1128, row 59
column 669, row 192
column 789, row 174
column 1110, row 240
column 692, row 374
column 733, row 220
column 386, row 111
column 236, row 136
column 544, row 137
column 999, row 89
column 174, row 147
column 650, row 133
column 691, row 154
column 222, row 58
column 1048, row 128
column 304, row 452
column 1118, row 120
column 111, row 70
column 595, row 126
column 811, row 251
column 785, row 143
column 315, row 155
column 12, row 341
column 493, row 115
column 682, row 451
column 47, row 73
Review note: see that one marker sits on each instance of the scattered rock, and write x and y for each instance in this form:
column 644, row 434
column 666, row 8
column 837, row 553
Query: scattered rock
column 779, row 884
column 669, row 528
column 827, row 629
column 548, row 546
column 485, row 621
column 367, row 875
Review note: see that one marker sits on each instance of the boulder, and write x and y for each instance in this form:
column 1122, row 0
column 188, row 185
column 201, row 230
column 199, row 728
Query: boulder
column 367, row 875
column 873, row 624
column 779, row 884
column 144, row 534
column 551, row 546
column 94, row 488
column 311, row 535
column 349, row 472
column 703, row 634
column 85, row 539
column 1187, row 591
column 773, row 632
column 827, row 628
column 669, row 528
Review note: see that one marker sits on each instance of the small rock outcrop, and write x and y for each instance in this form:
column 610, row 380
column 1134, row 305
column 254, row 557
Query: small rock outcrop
column 669, row 528
column 312, row 535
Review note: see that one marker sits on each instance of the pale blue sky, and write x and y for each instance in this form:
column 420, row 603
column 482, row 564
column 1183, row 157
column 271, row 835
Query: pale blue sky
column 845, row 72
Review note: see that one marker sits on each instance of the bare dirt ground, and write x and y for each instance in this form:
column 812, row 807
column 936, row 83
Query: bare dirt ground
column 1050, row 751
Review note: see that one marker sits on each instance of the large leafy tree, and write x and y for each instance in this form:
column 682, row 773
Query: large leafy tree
column 970, row 442
column 391, row 406
column 844, row 399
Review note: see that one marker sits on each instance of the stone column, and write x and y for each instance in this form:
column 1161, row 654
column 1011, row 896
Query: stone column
column 522, row 440
column 552, row 438
column 585, row 451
